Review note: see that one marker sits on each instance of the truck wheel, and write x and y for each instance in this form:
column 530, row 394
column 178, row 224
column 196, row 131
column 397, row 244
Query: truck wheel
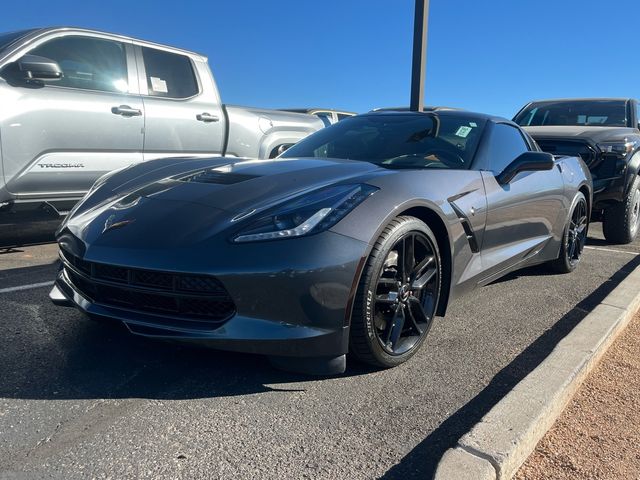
column 620, row 223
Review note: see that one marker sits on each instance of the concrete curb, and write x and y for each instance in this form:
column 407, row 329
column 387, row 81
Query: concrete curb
column 496, row 447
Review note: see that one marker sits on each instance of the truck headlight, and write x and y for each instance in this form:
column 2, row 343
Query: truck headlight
column 310, row 213
column 621, row 149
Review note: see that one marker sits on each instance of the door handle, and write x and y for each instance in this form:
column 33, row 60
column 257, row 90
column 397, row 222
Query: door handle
column 126, row 111
column 207, row 117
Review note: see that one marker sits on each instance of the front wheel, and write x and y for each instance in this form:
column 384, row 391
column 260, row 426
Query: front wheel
column 620, row 222
column 574, row 237
column 398, row 294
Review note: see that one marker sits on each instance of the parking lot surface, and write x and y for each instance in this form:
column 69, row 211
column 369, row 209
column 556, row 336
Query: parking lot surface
column 82, row 399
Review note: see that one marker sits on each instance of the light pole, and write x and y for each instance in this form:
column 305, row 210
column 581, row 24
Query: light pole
column 420, row 27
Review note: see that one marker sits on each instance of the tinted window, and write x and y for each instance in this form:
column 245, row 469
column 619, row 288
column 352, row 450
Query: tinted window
column 397, row 140
column 505, row 145
column 169, row 74
column 87, row 62
column 342, row 116
column 575, row 112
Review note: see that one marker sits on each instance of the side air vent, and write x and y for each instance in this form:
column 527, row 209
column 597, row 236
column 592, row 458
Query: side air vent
column 217, row 177
column 466, row 225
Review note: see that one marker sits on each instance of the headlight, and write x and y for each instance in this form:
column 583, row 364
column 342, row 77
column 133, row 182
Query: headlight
column 622, row 148
column 310, row 213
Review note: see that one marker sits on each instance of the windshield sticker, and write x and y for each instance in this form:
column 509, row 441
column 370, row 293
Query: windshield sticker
column 473, row 124
column 158, row 85
column 463, row 131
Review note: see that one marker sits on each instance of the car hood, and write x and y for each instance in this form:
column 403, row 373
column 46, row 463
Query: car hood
column 234, row 185
column 182, row 203
column 594, row 134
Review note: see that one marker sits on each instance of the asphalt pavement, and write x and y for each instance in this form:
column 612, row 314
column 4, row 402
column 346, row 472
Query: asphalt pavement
column 80, row 399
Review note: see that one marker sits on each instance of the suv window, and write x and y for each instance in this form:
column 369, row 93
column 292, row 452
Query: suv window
column 506, row 144
column 169, row 74
column 88, row 63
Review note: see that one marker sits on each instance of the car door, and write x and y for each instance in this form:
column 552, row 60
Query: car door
column 184, row 115
column 59, row 136
column 522, row 214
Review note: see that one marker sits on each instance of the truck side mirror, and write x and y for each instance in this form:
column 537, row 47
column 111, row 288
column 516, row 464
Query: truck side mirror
column 526, row 162
column 34, row 67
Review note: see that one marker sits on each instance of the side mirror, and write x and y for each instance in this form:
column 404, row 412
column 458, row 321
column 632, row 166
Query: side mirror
column 33, row 67
column 527, row 162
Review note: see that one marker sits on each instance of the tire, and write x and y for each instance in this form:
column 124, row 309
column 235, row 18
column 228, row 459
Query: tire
column 574, row 236
column 620, row 222
column 391, row 318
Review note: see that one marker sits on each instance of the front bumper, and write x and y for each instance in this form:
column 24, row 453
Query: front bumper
column 291, row 297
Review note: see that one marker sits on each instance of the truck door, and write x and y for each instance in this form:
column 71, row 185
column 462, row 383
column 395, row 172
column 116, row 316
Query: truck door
column 59, row 136
column 523, row 214
column 184, row 115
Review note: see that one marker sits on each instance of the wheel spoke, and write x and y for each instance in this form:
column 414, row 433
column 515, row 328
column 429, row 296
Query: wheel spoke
column 421, row 281
column 408, row 257
column 395, row 329
column 412, row 317
column 572, row 248
column 419, row 315
column 418, row 269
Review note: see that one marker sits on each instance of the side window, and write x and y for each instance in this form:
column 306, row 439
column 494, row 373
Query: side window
column 169, row 74
column 506, row 144
column 342, row 116
column 88, row 63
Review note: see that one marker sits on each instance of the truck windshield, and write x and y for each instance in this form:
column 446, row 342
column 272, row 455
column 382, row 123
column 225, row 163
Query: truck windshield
column 575, row 112
column 8, row 38
column 406, row 140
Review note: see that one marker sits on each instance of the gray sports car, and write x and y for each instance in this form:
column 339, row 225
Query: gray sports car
column 351, row 241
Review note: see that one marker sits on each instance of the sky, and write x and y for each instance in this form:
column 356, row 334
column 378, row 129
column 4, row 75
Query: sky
column 489, row 56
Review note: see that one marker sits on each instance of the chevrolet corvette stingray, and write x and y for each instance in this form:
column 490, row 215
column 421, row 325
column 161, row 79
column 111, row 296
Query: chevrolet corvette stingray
column 352, row 241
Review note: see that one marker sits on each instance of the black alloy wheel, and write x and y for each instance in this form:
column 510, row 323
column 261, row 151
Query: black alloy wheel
column 399, row 294
column 575, row 236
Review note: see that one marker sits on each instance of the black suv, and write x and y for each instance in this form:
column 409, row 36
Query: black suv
column 605, row 133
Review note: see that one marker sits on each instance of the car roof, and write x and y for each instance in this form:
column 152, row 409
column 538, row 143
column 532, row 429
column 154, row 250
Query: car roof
column 319, row 109
column 37, row 32
column 585, row 99
column 426, row 108
column 439, row 113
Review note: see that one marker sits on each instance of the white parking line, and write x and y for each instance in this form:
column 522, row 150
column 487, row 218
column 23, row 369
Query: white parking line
column 26, row 287
column 635, row 254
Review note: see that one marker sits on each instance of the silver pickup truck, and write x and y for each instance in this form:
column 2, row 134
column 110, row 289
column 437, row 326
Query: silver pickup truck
column 77, row 103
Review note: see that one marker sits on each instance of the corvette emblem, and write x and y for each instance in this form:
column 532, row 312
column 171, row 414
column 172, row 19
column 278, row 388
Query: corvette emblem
column 109, row 224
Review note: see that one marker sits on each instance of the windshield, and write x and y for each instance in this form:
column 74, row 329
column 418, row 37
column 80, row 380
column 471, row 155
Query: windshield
column 8, row 38
column 575, row 112
column 397, row 140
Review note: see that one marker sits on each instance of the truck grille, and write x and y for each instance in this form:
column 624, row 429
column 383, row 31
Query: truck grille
column 572, row 148
column 601, row 166
column 198, row 300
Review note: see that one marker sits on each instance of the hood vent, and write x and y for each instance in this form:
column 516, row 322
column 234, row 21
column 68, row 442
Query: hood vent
column 217, row 177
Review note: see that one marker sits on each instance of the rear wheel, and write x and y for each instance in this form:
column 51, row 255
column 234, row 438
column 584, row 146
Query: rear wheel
column 398, row 294
column 620, row 222
column 574, row 237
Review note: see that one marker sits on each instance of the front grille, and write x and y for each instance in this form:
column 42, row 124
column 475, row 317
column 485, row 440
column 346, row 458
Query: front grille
column 196, row 299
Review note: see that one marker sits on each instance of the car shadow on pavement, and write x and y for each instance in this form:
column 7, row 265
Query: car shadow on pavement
column 422, row 461
column 50, row 352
